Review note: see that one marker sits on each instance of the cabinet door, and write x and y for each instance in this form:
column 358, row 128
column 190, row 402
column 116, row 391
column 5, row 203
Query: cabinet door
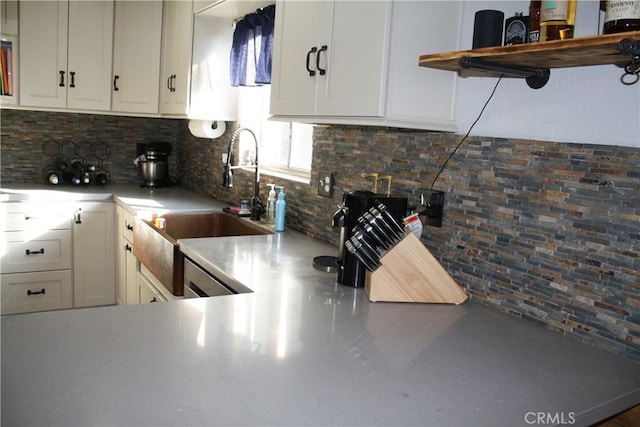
column 94, row 254
column 90, row 55
column 177, row 36
column 212, row 96
column 296, row 33
column 348, row 65
column 43, row 53
column 9, row 17
column 357, row 36
column 136, row 56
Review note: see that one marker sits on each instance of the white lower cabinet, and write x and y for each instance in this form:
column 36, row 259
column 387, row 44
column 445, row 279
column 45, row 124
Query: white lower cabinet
column 93, row 252
column 150, row 289
column 56, row 255
column 147, row 292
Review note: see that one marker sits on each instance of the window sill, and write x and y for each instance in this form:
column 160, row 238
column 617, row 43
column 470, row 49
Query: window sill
column 301, row 177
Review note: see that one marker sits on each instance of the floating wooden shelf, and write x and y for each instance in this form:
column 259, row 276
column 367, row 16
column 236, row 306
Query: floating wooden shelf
column 577, row 52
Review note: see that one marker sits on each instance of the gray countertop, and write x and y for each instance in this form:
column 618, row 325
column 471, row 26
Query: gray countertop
column 299, row 350
column 132, row 197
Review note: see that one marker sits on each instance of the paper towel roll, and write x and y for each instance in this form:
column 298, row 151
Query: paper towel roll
column 207, row 128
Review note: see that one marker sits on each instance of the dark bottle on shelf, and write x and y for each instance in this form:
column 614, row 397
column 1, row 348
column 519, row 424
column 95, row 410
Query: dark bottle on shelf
column 621, row 16
column 102, row 176
column 85, row 178
column 60, row 165
column 534, row 21
column 52, row 177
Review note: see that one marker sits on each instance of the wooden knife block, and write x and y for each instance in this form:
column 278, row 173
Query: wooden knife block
column 410, row 273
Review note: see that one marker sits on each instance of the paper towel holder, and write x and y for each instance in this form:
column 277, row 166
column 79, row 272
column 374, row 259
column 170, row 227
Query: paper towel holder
column 210, row 129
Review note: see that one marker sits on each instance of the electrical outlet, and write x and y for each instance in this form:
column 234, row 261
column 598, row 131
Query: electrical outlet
column 326, row 181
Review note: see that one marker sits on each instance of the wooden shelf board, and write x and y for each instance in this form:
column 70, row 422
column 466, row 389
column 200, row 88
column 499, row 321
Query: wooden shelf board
column 577, row 52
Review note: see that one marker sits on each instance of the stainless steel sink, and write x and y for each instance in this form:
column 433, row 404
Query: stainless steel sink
column 159, row 251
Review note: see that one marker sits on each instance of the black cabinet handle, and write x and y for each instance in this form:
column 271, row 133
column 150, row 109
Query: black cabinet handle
column 28, row 252
column 127, row 248
column 129, row 227
column 115, row 83
column 312, row 50
column 322, row 71
column 73, row 79
column 30, row 292
column 78, row 217
column 61, row 78
column 171, row 83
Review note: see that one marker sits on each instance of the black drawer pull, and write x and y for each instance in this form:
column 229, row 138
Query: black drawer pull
column 309, row 70
column 127, row 248
column 30, row 292
column 321, row 70
column 28, row 252
column 129, row 227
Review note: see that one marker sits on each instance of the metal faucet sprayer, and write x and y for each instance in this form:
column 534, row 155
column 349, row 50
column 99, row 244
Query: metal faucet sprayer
column 257, row 206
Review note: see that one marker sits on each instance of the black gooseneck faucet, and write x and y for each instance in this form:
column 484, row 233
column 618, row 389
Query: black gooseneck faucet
column 257, row 207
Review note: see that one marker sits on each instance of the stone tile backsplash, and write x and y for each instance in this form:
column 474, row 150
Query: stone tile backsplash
column 23, row 134
column 546, row 231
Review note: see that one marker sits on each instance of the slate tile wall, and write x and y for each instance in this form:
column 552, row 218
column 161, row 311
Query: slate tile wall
column 546, row 231
column 22, row 134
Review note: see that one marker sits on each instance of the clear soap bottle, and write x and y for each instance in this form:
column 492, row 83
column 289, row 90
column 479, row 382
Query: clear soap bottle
column 271, row 205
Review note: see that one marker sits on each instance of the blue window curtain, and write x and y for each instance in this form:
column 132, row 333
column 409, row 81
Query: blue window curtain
column 252, row 47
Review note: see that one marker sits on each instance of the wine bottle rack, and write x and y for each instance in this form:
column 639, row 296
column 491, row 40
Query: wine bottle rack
column 89, row 156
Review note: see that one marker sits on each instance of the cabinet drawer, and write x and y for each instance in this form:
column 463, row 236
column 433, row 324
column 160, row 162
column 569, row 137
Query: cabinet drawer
column 25, row 251
column 27, row 292
column 34, row 216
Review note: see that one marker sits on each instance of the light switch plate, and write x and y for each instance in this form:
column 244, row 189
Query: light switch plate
column 326, row 182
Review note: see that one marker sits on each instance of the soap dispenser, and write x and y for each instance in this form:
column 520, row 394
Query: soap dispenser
column 281, row 206
column 271, row 205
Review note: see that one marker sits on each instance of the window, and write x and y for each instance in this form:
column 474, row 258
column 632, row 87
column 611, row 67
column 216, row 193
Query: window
column 285, row 148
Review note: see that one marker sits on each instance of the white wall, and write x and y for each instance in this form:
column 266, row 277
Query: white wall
column 584, row 105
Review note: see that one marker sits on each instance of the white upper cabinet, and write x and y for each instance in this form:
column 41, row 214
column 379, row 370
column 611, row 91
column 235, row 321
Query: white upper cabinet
column 9, row 17
column 136, row 56
column 66, row 54
column 177, row 38
column 329, row 58
column 212, row 96
column 356, row 62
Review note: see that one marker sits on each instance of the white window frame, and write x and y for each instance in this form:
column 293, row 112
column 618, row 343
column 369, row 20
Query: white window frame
column 253, row 113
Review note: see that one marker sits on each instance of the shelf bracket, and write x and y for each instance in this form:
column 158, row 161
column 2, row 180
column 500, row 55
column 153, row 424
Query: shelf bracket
column 535, row 77
column 631, row 74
